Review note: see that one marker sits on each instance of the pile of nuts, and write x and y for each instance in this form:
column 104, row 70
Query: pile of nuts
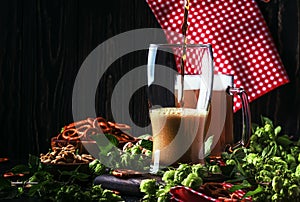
column 65, row 155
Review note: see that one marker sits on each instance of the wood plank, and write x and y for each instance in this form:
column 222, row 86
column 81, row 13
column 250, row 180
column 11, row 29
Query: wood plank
column 10, row 84
column 43, row 44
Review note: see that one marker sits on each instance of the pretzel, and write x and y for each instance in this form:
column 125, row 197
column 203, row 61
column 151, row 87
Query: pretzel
column 84, row 129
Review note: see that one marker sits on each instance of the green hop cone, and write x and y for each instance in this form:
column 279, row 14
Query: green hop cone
column 192, row 181
column 181, row 173
column 293, row 191
column 200, row 170
column 148, row 186
column 297, row 172
column 168, row 176
column 215, row 169
column 277, row 184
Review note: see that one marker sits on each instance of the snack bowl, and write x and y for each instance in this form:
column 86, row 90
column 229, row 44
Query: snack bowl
column 65, row 156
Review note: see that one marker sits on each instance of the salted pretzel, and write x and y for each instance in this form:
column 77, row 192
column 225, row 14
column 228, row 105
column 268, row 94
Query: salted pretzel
column 84, row 129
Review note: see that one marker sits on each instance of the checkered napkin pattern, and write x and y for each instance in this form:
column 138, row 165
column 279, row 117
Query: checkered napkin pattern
column 241, row 41
column 186, row 194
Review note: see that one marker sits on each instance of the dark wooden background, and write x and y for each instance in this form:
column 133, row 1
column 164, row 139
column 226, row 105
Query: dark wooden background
column 43, row 43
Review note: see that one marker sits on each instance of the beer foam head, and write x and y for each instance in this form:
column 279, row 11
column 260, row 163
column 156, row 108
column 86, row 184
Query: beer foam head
column 193, row 82
column 222, row 81
column 178, row 111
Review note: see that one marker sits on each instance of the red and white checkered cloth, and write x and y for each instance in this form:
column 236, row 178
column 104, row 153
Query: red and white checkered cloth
column 241, row 41
column 186, row 194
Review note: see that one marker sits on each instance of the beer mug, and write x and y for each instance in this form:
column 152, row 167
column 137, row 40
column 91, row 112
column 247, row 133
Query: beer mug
column 220, row 134
column 178, row 119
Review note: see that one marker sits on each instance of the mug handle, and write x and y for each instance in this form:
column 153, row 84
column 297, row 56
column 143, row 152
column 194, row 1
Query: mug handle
column 246, row 115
